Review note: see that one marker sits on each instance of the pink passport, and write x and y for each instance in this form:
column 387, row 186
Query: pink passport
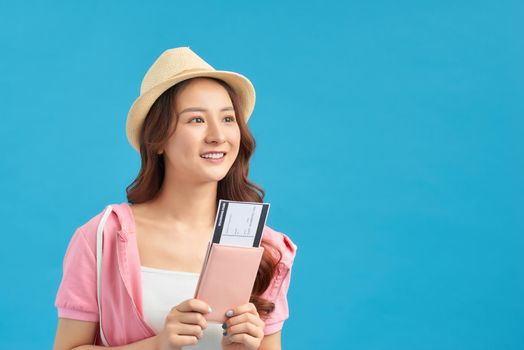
column 227, row 278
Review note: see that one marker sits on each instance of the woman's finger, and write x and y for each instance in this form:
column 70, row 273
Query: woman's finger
column 245, row 317
column 249, row 307
column 247, row 340
column 247, row 328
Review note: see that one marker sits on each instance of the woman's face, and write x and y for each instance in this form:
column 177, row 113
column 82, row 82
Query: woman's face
column 206, row 123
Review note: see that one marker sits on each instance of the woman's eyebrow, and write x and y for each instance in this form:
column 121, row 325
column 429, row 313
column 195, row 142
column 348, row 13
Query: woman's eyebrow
column 199, row 109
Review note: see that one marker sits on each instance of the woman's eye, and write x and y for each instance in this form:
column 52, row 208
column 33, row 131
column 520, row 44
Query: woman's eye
column 231, row 118
column 190, row 120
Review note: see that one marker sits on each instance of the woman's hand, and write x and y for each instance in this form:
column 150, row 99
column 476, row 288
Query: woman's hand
column 245, row 329
column 183, row 326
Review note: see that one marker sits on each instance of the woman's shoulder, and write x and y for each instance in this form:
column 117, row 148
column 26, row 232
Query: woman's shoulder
column 117, row 216
column 76, row 297
column 282, row 242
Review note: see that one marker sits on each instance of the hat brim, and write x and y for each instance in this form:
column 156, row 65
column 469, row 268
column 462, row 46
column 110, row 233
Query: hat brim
column 141, row 106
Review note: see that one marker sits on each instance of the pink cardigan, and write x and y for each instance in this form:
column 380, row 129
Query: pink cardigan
column 121, row 294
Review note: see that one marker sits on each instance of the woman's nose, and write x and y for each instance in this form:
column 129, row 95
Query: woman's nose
column 215, row 133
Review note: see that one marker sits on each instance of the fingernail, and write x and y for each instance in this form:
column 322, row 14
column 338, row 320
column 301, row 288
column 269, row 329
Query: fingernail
column 210, row 310
column 224, row 325
column 225, row 332
column 229, row 313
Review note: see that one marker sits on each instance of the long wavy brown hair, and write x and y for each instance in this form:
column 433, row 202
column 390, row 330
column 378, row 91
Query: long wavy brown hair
column 158, row 126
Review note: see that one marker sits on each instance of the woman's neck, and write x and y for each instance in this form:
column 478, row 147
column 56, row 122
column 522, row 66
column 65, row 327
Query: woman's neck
column 187, row 204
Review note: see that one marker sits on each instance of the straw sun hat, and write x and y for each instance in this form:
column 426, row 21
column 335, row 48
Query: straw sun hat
column 171, row 67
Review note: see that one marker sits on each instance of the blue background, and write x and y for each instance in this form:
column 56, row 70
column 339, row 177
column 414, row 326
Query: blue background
column 390, row 144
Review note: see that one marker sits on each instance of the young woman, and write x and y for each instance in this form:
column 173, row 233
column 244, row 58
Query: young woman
column 189, row 125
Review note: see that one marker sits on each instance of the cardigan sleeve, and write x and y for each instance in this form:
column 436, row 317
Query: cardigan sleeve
column 76, row 296
column 277, row 291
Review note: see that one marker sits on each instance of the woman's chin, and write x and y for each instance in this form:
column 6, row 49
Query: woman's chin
column 214, row 176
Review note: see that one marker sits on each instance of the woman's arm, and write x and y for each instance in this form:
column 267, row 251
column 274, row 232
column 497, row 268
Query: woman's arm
column 75, row 334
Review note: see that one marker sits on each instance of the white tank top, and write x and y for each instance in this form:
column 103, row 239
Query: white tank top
column 164, row 289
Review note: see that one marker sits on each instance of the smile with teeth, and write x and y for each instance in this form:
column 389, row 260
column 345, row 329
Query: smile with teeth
column 213, row 155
